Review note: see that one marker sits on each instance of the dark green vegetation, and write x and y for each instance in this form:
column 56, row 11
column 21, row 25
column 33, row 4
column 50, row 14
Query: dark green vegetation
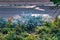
column 56, row 1
column 47, row 31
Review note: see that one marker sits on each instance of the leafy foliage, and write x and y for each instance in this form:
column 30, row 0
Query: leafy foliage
column 31, row 31
column 56, row 1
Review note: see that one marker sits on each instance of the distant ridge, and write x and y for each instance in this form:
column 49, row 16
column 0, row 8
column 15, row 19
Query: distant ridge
column 24, row 0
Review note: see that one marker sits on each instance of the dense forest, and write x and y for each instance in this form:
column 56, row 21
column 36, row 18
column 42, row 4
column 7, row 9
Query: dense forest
column 32, row 29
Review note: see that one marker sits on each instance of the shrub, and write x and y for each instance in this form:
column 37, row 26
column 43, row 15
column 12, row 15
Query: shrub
column 3, row 23
column 42, row 29
column 4, row 31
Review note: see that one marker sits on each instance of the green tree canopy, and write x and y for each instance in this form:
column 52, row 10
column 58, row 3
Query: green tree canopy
column 56, row 1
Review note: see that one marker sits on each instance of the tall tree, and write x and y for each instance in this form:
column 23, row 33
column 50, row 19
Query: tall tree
column 56, row 1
